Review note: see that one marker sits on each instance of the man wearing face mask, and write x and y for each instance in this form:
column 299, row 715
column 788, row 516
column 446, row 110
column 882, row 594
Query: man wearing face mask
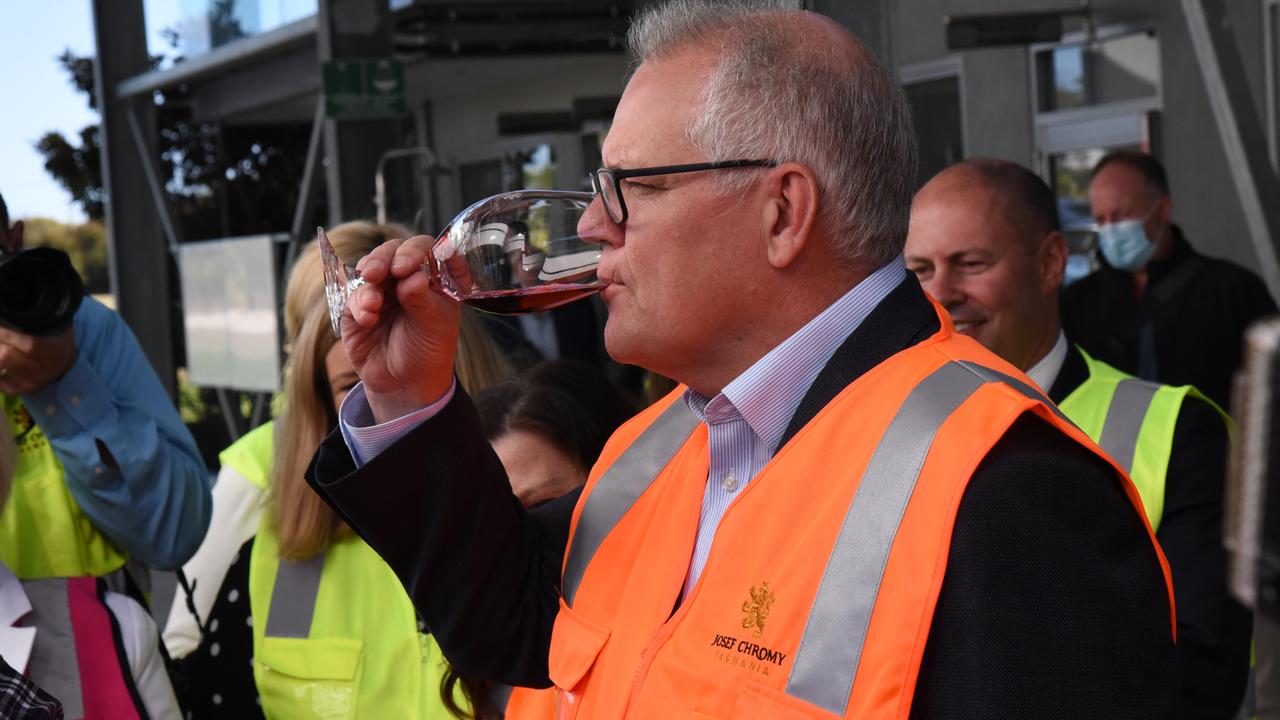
column 1158, row 309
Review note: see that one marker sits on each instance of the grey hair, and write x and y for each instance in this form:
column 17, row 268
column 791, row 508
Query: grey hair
column 771, row 96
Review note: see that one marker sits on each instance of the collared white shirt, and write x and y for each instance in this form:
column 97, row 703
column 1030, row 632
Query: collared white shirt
column 746, row 421
column 1046, row 371
column 15, row 642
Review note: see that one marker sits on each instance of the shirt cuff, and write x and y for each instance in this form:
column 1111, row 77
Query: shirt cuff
column 71, row 404
column 366, row 440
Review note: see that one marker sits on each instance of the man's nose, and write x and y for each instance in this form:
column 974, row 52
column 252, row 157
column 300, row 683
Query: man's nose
column 944, row 289
column 595, row 225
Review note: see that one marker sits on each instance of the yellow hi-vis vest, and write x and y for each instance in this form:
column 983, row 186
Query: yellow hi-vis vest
column 334, row 636
column 1133, row 420
column 43, row 531
column 251, row 455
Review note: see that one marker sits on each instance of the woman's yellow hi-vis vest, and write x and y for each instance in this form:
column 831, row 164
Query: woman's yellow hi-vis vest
column 334, row 636
column 1133, row 420
column 43, row 531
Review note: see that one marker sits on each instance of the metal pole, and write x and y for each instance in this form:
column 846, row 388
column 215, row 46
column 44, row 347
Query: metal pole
column 260, row 403
column 153, row 179
column 1242, row 137
column 306, row 192
column 230, row 413
column 379, row 179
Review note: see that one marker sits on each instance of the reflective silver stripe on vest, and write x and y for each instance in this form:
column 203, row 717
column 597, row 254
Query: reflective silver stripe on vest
column 622, row 484
column 826, row 661
column 1030, row 391
column 54, row 657
column 1128, row 409
column 293, row 599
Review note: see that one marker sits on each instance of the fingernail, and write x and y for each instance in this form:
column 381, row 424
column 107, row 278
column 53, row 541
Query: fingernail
column 400, row 263
column 373, row 265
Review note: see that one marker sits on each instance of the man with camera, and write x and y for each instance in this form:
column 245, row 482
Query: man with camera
column 106, row 470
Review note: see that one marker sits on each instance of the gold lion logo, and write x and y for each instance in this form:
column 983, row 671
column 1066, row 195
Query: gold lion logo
column 757, row 608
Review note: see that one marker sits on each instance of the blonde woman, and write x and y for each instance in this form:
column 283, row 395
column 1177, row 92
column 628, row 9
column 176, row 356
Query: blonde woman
column 360, row 616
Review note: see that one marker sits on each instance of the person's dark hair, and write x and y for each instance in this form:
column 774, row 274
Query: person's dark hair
column 4, row 216
column 1151, row 169
column 573, row 406
column 1023, row 192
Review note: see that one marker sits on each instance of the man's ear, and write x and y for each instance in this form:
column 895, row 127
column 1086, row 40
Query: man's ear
column 790, row 212
column 1166, row 210
column 1053, row 261
column 15, row 236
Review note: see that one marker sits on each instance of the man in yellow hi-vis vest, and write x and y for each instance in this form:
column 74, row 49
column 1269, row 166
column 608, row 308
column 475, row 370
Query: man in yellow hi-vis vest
column 985, row 242
column 106, row 470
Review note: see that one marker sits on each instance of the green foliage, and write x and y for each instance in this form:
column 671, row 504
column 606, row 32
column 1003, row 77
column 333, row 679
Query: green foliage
column 86, row 245
column 219, row 182
column 191, row 404
column 77, row 167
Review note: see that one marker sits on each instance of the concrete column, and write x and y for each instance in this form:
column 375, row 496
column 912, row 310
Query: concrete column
column 139, row 262
column 351, row 29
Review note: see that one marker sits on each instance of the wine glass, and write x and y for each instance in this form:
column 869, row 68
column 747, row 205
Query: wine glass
column 509, row 254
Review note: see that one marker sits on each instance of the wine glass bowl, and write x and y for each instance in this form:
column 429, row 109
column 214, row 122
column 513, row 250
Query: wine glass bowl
column 509, row 254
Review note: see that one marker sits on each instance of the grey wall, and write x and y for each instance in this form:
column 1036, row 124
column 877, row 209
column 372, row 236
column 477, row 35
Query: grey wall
column 1205, row 198
column 467, row 96
column 999, row 115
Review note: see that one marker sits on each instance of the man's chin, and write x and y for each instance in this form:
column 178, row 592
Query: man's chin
column 619, row 343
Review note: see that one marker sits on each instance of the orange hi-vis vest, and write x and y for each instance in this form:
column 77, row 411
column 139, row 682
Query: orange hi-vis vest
column 817, row 597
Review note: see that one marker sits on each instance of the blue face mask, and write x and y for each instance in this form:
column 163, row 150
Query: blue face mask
column 1125, row 244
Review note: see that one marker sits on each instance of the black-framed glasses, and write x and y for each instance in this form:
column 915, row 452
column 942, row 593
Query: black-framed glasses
column 607, row 182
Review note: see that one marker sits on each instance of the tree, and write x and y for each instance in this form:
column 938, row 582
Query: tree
column 85, row 244
column 219, row 181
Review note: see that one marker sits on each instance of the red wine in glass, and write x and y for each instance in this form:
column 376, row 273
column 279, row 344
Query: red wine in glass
column 510, row 254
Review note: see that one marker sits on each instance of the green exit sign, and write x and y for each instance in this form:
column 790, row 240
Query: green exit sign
column 364, row 89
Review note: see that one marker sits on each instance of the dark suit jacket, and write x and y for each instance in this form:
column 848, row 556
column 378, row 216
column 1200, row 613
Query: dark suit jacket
column 1194, row 312
column 1214, row 631
column 1053, row 605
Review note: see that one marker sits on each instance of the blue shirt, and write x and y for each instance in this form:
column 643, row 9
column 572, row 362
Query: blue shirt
column 151, row 497
column 745, row 422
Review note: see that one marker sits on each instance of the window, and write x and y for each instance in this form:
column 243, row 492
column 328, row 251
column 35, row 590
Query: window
column 1107, row 70
column 1092, row 95
column 935, row 92
column 203, row 25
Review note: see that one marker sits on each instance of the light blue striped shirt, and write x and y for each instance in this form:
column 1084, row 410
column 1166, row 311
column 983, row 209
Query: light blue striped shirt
column 745, row 421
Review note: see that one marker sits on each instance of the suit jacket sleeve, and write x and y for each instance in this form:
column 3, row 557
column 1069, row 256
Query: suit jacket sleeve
column 1214, row 630
column 483, row 572
column 1053, row 604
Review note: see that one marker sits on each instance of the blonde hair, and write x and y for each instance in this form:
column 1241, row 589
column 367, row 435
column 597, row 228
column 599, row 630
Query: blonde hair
column 304, row 524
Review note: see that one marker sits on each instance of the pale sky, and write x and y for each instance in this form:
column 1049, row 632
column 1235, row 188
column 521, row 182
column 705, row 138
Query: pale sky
column 38, row 96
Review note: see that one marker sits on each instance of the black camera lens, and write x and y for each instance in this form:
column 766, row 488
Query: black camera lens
column 40, row 291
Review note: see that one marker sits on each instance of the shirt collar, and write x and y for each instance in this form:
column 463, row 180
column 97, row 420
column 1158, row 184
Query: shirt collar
column 13, row 598
column 1046, row 371
column 768, row 393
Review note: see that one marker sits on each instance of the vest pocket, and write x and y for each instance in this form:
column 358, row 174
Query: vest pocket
column 765, row 702
column 575, row 643
column 313, row 678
